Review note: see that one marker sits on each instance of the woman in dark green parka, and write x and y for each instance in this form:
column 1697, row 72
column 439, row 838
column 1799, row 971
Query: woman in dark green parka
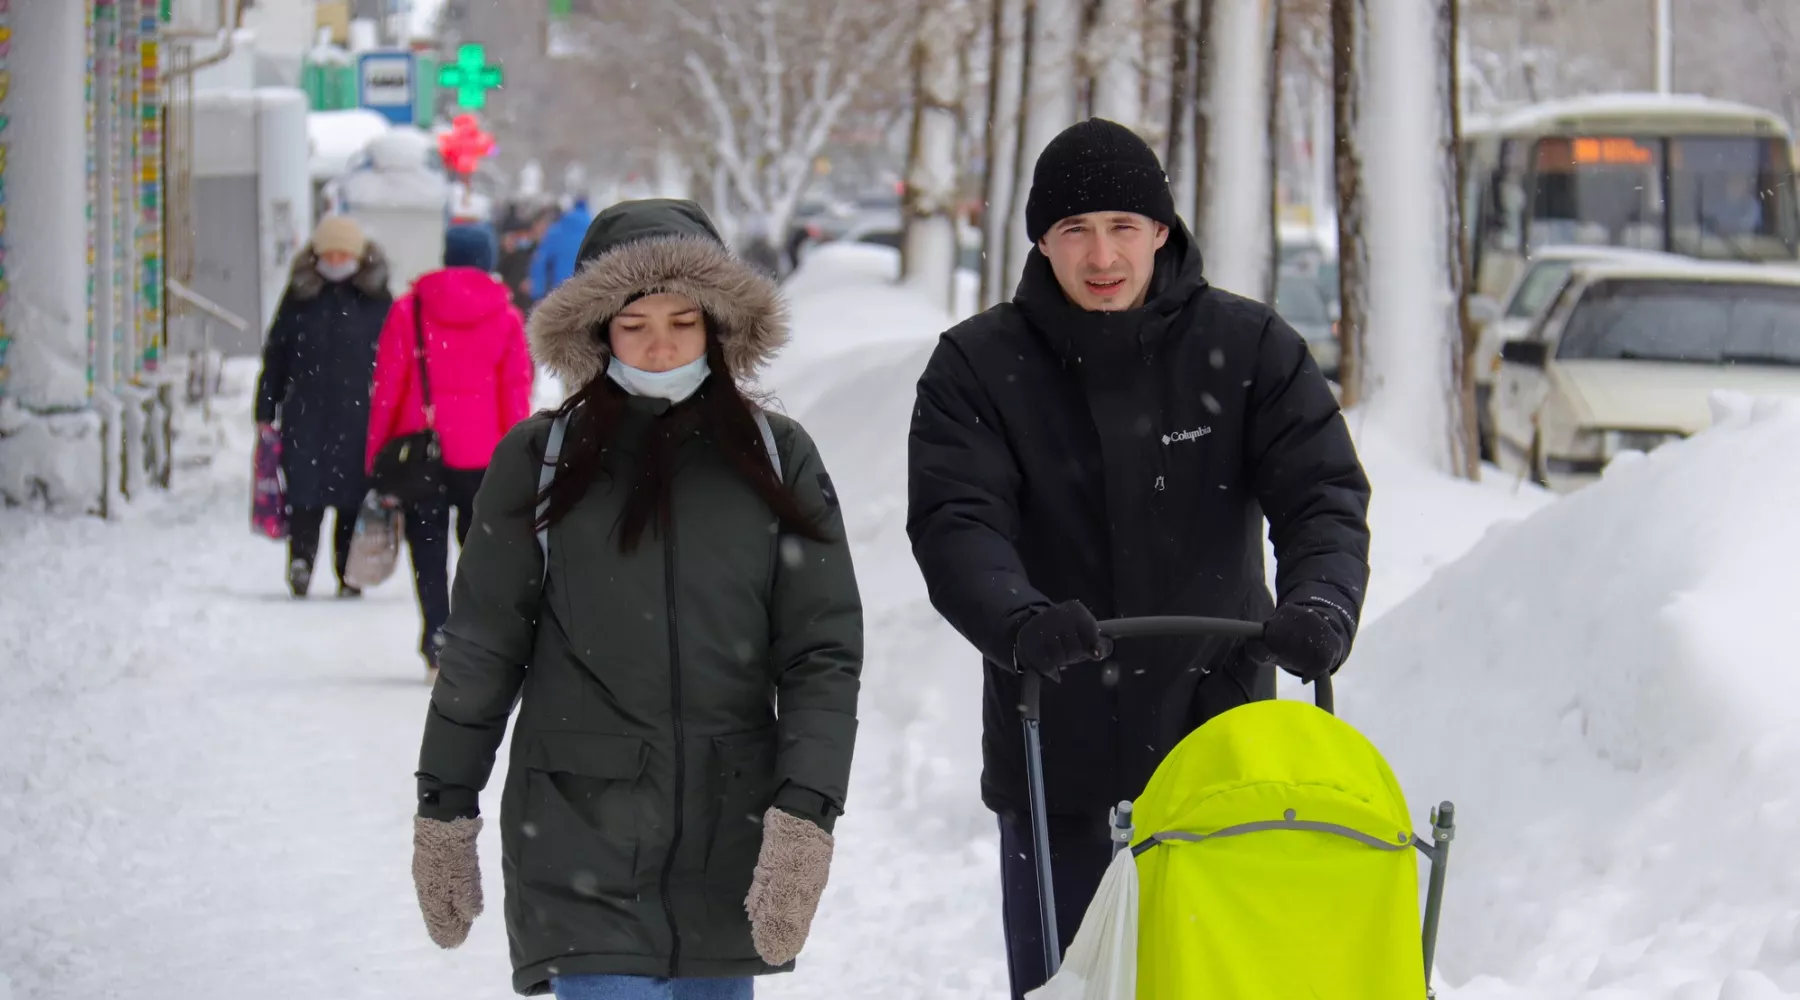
column 685, row 662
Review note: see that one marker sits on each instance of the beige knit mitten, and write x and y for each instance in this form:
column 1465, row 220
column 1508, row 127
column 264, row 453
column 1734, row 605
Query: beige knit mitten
column 447, row 876
column 790, row 877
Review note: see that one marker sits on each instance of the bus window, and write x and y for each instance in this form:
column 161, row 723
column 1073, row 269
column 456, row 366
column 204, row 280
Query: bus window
column 1732, row 198
column 1500, row 238
column 1503, row 202
column 1597, row 191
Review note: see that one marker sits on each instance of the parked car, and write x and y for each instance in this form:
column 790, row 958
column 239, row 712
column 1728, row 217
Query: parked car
column 1300, row 301
column 1625, row 357
column 1511, row 317
column 889, row 231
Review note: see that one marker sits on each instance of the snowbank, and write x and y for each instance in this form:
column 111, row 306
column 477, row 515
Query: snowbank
column 338, row 137
column 851, row 316
column 1607, row 690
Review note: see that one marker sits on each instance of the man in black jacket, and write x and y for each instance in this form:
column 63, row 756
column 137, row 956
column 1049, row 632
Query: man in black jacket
column 1109, row 444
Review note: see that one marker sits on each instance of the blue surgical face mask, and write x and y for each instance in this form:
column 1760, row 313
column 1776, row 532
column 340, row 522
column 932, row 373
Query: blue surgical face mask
column 674, row 385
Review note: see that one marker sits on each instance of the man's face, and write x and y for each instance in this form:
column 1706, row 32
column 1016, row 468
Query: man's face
column 1104, row 260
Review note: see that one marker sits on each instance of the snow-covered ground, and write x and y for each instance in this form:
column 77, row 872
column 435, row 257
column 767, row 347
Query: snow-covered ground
column 205, row 787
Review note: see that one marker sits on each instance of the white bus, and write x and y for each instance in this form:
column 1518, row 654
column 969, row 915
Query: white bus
column 1677, row 174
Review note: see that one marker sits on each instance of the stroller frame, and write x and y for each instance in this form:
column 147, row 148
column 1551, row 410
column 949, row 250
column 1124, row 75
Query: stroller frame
column 1443, row 816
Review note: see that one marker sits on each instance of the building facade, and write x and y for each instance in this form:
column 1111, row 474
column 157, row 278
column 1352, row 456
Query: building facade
column 83, row 401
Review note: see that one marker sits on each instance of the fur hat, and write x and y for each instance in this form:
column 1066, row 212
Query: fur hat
column 339, row 233
column 639, row 248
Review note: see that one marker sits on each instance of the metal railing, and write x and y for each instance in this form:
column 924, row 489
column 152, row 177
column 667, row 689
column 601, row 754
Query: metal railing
column 201, row 377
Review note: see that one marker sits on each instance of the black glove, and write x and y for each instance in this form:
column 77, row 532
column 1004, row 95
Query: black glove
column 1057, row 637
column 1302, row 639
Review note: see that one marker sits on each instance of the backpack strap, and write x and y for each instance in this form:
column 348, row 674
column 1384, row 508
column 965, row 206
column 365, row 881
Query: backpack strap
column 559, row 428
column 768, row 436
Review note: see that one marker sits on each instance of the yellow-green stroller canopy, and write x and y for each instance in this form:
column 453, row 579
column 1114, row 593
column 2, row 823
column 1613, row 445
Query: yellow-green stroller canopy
column 1272, row 858
column 1276, row 860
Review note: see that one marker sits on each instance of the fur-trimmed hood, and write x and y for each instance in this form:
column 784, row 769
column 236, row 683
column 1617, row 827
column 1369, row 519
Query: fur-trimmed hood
column 371, row 277
column 642, row 247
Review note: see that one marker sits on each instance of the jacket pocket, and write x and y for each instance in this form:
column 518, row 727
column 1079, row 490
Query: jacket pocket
column 744, row 777
column 579, row 824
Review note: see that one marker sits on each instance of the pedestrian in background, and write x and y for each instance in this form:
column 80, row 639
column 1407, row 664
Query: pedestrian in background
column 453, row 358
column 317, row 362
column 554, row 261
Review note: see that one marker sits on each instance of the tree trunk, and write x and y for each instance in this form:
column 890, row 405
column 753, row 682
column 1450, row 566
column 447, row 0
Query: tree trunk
column 928, row 257
column 1465, row 439
column 1181, row 100
column 1205, row 55
column 1005, row 66
column 1117, row 91
column 1012, row 229
column 1273, row 138
column 1414, row 343
column 1049, row 104
column 1349, row 20
column 1236, row 246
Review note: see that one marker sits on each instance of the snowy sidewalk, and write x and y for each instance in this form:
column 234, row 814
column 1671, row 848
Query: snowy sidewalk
column 206, row 787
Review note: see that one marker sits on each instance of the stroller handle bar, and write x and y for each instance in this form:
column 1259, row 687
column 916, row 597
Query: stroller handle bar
column 1183, row 626
column 1030, row 701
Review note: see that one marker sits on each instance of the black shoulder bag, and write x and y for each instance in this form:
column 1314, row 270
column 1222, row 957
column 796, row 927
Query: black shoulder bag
column 411, row 468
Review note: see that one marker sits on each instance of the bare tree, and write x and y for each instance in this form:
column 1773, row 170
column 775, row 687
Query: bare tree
column 1007, row 29
column 1051, row 88
column 758, row 87
column 1277, row 43
column 1182, row 57
column 1414, row 343
column 1349, row 21
column 1465, row 434
column 1205, row 55
column 1110, row 61
column 1236, row 238
column 932, row 177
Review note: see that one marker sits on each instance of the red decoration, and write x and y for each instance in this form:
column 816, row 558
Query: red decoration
column 464, row 145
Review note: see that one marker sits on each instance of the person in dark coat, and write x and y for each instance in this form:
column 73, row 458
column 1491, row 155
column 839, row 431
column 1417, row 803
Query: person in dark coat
column 317, row 366
column 685, row 663
column 1109, row 444
column 519, row 240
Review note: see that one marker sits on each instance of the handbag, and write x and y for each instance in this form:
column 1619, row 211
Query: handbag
column 410, row 468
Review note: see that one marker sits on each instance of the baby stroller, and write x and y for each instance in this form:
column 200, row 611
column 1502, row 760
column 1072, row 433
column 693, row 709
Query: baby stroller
column 1269, row 857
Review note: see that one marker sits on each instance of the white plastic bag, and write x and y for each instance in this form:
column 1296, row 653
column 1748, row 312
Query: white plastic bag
column 375, row 545
column 1101, row 963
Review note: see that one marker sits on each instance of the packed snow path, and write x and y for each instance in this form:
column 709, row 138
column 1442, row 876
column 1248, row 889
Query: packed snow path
column 207, row 788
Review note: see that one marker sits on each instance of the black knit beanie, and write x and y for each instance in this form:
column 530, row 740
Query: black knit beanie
column 1096, row 166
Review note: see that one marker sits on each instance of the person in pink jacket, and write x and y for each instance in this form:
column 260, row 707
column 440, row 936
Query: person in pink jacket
column 480, row 374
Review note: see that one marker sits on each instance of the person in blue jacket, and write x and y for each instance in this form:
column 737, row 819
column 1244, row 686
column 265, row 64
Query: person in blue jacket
column 554, row 261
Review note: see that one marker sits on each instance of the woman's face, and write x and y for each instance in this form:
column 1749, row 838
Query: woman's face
column 659, row 333
column 337, row 259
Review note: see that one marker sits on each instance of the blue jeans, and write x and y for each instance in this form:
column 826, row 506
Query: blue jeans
column 647, row 988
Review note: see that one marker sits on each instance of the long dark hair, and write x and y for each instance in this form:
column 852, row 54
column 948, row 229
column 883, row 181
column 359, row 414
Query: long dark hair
column 718, row 412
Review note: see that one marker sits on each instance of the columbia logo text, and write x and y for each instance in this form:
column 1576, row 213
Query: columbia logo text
column 1180, row 436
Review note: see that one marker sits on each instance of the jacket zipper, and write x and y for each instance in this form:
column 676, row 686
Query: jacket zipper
column 680, row 746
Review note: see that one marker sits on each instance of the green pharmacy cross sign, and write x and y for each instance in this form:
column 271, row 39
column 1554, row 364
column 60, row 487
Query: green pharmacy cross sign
column 471, row 77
